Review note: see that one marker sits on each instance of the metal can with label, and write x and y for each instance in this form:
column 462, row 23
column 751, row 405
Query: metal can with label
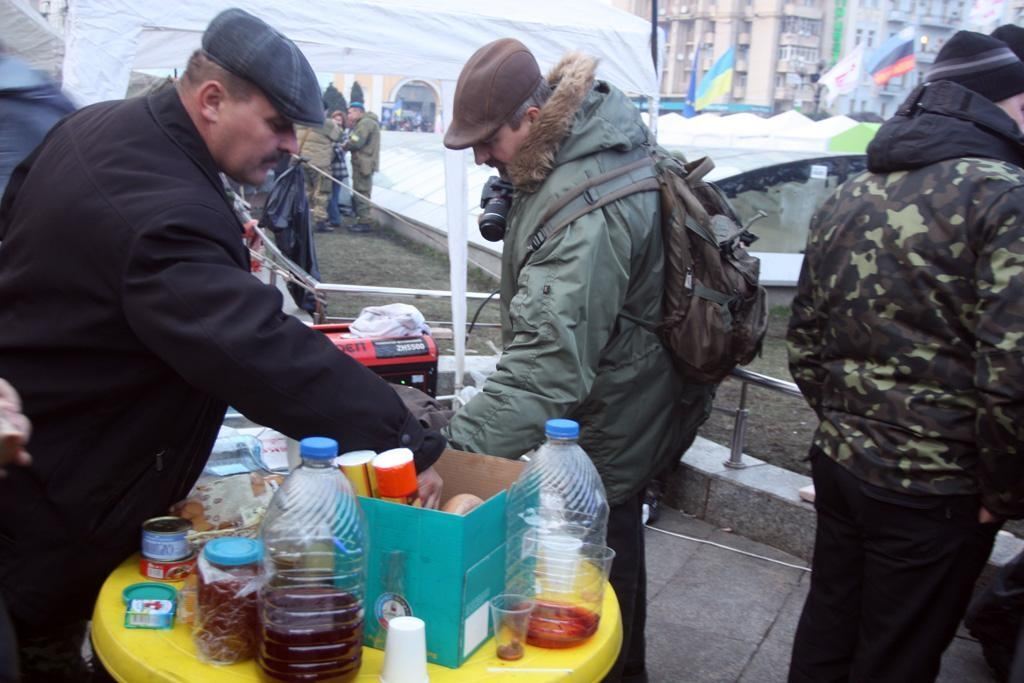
column 176, row 570
column 165, row 539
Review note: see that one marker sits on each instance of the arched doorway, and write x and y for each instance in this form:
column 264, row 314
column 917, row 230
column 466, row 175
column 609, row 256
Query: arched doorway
column 415, row 107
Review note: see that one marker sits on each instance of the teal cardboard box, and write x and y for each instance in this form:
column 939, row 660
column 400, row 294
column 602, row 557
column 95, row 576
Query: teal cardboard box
column 439, row 566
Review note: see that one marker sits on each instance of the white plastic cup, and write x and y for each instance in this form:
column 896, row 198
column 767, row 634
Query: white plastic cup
column 405, row 652
column 558, row 560
column 294, row 458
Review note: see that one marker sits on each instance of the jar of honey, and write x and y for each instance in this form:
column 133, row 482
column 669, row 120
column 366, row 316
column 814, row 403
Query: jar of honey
column 226, row 627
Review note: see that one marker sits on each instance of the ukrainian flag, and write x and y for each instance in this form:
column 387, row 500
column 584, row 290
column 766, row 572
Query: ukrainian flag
column 717, row 81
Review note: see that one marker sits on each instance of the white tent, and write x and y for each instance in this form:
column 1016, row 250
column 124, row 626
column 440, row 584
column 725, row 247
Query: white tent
column 106, row 39
column 813, row 136
column 25, row 33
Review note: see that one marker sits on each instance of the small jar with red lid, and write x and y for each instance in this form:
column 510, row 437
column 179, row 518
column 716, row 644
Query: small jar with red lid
column 226, row 627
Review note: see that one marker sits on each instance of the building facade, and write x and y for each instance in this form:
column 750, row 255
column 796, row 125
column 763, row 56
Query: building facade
column 778, row 43
column 783, row 47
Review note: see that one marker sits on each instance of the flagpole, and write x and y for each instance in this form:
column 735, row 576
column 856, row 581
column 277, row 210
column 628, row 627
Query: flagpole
column 654, row 101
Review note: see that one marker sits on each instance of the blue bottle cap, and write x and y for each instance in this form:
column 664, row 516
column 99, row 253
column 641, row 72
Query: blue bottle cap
column 233, row 551
column 560, row 428
column 318, row 448
column 148, row 591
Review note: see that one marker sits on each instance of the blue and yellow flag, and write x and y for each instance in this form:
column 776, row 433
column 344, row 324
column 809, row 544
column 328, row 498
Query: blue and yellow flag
column 717, row 81
column 691, row 92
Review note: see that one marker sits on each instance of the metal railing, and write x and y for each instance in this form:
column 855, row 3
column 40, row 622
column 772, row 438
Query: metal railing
column 741, row 414
column 746, row 377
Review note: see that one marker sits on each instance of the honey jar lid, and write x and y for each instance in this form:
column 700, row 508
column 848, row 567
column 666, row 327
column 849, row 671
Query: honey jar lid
column 148, row 590
column 233, row 551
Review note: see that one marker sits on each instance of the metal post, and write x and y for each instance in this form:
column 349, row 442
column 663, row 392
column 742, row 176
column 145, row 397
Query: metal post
column 739, row 432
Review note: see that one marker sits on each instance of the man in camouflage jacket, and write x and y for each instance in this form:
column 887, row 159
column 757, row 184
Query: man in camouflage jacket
column 364, row 144
column 906, row 338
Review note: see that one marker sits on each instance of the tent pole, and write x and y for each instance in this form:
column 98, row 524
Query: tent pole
column 456, row 201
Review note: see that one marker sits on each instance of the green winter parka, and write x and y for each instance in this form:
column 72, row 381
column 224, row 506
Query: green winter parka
column 569, row 348
column 364, row 143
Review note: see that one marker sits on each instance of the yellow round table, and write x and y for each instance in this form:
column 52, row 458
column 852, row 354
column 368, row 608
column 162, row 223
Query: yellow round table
column 146, row 656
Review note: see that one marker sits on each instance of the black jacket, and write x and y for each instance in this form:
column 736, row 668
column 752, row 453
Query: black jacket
column 940, row 121
column 128, row 322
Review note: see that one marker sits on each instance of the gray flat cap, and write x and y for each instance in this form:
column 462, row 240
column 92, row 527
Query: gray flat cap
column 250, row 48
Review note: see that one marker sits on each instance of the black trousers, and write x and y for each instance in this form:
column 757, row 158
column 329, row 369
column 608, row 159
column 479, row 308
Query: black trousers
column 995, row 615
column 892, row 575
column 629, row 579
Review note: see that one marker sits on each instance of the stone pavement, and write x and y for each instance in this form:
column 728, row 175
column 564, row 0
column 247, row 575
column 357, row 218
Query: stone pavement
column 718, row 616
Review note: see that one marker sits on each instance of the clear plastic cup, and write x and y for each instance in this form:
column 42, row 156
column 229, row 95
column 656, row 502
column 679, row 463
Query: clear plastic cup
column 567, row 578
column 510, row 616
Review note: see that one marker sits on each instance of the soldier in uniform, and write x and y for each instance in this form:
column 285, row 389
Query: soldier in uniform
column 364, row 144
column 905, row 338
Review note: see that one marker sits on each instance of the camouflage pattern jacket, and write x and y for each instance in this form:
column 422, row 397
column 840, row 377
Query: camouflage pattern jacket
column 908, row 321
column 364, row 144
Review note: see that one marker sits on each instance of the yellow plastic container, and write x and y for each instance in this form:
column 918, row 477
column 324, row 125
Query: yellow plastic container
column 143, row 656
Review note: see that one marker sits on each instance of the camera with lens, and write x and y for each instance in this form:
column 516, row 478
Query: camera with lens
column 495, row 200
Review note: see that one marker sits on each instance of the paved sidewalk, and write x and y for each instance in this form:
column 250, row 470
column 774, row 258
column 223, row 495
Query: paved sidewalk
column 716, row 615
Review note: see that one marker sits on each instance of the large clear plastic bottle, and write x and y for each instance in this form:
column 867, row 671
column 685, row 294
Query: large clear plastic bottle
column 557, row 520
column 312, row 603
column 558, row 495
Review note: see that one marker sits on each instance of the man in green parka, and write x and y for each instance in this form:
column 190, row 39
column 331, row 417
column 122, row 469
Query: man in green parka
column 570, row 346
column 364, row 144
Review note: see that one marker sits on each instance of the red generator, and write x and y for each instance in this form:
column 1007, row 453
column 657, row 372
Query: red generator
column 411, row 361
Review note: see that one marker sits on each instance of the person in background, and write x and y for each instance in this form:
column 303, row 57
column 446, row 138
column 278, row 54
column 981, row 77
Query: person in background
column 905, row 340
column 994, row 615
column 571, row 346
column 29, row 106
column 340, row 202
column 15, row 429
column 316, row 144
column 131, row 322
column 364, row 144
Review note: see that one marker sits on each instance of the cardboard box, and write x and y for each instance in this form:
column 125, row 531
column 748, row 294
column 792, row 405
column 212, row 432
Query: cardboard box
column 441, row 567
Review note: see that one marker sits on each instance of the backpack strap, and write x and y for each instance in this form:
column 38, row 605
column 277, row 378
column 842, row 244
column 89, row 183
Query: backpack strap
column 638, row 176
column 697, row 169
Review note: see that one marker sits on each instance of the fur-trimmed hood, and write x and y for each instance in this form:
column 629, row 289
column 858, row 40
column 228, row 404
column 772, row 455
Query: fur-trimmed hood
column 591, row 110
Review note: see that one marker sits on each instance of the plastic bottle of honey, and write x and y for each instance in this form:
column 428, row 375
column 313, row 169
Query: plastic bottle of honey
column 311, row 605
column 556, row 523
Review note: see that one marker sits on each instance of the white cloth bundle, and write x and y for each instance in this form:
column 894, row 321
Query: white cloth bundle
column 393, row 320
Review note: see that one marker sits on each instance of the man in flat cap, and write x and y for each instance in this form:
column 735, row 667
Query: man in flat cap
column 572, row 347
column 130, row 321
column 905, row 340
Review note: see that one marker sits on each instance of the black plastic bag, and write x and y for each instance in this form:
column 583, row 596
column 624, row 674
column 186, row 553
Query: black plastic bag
column 287, row 215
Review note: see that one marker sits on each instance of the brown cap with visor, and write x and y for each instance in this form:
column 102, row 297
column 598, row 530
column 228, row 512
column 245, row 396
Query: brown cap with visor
column 498, row 78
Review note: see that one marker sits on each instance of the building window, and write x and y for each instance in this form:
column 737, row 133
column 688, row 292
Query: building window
column 801, row 26
column 796, row 53
column 871, row 38
column 859, row 38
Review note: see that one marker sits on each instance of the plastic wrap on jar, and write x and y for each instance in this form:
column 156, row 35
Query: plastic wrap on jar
column 226, row 626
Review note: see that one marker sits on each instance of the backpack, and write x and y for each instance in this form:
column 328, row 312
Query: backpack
column 714, row 312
